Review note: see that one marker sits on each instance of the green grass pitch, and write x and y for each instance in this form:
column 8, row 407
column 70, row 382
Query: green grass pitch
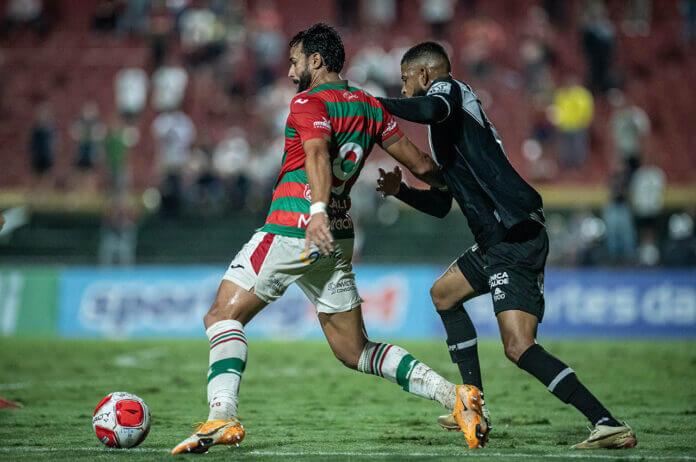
column 298, row 403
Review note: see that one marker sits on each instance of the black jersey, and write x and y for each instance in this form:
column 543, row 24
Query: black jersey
column 490, row 192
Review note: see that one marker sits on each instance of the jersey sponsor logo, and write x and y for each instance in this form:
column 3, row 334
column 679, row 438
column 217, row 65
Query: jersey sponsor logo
column 323, row 123
column 390, row 126
column 303, row 221
column 349, row 96
column 236, row 266
column 345, row 285
column 498, row 279
column 340, row 223
column 440, row 87
column 307, row 193
column 301, row 101
column 498, row 295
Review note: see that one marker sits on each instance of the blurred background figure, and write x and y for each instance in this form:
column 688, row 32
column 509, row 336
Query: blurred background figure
column 618, row 218
column 599, row 43
column 43, row 145
column 131, row 92
column 573, row 113
column 438, row 14
column 630, row 128
column 174, row 134
column 88, row 133
column 647, row 192
column 118, row 234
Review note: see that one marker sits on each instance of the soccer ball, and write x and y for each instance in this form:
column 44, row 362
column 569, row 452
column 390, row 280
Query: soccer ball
column 121, row 420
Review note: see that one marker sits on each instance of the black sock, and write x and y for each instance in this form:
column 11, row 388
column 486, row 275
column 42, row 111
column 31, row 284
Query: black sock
column 564, row 384
column 462, row 344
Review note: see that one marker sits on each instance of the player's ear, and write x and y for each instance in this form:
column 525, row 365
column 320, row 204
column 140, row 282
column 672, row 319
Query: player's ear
column 315, row 61
column 423, row 77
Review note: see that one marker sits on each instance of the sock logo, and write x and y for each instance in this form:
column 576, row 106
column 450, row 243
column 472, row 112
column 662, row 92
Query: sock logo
column 498, row 294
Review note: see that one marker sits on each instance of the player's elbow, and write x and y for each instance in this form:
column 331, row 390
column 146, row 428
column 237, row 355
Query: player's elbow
column 443, row 210
column 424, row 168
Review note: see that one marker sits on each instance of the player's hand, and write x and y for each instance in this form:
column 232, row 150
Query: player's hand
column 389, row 183
column 319, row 234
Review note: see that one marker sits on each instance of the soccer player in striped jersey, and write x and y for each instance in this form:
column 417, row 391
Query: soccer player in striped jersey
column 308, row 239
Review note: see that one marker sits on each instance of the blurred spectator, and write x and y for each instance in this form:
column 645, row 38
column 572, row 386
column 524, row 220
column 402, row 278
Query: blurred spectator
column 621, row 233
column 119, row 139
column 231, row 161
column 347, row 13
column 538, row 149
column 202, row 35
column 630, row 126
column 174, row 133
column 205, row 191
column 439, row 14
column 2, row 84
column 369, row 64
column 118, row 233
column 637, row 17
column 106, row 15
column 131, row 91
column 378, row 12
column 483, row 38
column 169, row 86
column 24, row 13
column 161, row 25
column 267, row 43
column 647, row 191
column 88, row 133
column 688, row 11
column 134, row 18
column 536, row 53
column 43, row 144
column 572, row 114
column 557, row 11
column 591, row 234
column 599, row 43
column 680, row 246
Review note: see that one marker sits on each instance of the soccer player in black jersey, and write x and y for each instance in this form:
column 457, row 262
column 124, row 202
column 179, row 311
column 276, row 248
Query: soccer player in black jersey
column 506, row 217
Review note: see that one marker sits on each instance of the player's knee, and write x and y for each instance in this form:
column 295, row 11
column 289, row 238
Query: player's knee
column 514, row 347
column 222, row 311
column 440, row 297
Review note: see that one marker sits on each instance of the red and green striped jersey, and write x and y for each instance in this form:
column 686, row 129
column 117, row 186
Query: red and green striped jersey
column 355, row 121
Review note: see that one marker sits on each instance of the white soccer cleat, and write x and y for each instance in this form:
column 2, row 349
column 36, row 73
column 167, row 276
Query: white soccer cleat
column 607, row 437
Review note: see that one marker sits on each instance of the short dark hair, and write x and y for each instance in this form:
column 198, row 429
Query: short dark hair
column 427, row 49
column 323, row 39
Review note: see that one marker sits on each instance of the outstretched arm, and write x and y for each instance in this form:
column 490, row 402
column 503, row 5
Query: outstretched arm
column 433, row 201
column 429, row 109
column 419, row 163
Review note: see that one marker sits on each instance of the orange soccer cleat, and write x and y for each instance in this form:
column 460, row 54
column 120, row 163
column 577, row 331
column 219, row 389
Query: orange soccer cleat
column 228, row 432
column 469, row 416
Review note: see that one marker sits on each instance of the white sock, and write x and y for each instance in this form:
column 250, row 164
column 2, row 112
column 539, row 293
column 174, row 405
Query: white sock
column 228, row 354
column 397, row 365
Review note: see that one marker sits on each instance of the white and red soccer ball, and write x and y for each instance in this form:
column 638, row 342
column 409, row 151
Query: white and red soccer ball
column 121, row 420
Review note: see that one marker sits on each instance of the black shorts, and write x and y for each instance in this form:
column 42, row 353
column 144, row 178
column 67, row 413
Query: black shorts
column 513, row 272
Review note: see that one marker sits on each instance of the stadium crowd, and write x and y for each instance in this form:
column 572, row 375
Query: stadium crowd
column 239, row 48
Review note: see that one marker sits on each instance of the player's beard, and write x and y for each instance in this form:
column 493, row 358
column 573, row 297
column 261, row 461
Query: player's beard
column 304, row 81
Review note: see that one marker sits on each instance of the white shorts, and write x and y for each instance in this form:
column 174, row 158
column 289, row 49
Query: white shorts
column 269, row 263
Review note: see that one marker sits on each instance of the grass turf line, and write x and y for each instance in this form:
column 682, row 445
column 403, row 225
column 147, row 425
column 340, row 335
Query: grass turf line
column 298, row 403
